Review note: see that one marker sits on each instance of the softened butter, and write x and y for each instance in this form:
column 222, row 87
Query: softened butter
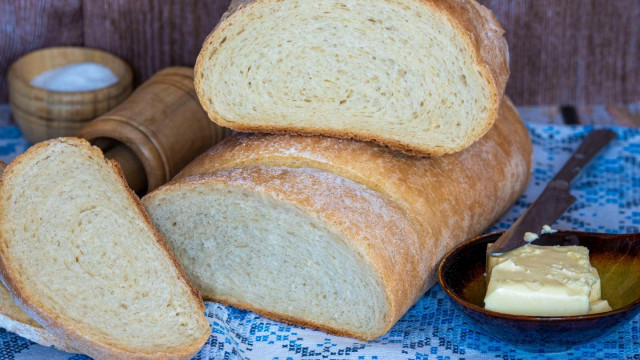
column 544, row 281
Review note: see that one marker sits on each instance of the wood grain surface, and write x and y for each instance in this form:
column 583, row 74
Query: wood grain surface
column 26, row 25
column 572, row 52
column 151, row 34
column 562, row 52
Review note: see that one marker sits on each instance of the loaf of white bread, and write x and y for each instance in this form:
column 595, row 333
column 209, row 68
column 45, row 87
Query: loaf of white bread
column 339, row 235
column 422, row 76
column 87, row 270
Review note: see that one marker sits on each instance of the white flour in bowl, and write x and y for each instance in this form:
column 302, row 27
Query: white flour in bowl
column 85, row 76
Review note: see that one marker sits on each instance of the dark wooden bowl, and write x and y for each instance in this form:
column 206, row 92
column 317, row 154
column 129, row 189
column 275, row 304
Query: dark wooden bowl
column 617, row 258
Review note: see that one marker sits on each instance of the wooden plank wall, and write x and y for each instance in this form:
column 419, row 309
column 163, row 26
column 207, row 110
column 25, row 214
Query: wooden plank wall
column 562, row 52
column 572, row 51
column 148, row 34
column 28, row 25
column 172, row 31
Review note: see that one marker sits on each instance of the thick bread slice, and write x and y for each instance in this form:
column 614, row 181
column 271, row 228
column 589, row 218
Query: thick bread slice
column 422, row 76
column 347, row 246
column 298, row 245
column 80, row 256
column 14, row 319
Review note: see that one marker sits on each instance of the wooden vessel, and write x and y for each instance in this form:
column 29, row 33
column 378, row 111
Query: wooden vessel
column 158, row 130
column 43, row 114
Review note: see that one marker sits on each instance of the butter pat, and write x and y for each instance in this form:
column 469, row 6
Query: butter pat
column 544, row 281
column 599, row 306
column 530, row 237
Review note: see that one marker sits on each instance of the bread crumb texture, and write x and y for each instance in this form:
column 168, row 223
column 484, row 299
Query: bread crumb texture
column 404, row 73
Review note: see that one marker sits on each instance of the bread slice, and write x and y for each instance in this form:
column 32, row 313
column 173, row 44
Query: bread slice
column 425, row 77
column 14, row 319
column 274, row 241
column 80, row 256
column 340, row 235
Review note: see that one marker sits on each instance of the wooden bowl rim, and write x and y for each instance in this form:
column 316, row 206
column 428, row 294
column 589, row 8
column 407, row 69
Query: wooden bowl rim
column 527, row 318
column 110, row 91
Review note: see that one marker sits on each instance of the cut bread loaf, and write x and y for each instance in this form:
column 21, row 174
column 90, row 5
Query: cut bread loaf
column 14, row 319
column 334, row 234
column 80, row 256
column 422, row 76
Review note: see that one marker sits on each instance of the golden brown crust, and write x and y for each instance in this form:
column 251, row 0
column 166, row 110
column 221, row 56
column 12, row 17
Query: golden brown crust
column 448, row 199
column 59, row 329
column 482, row 32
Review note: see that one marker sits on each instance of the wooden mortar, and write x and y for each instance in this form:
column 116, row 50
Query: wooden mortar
column 158, row 130
column 44, row 114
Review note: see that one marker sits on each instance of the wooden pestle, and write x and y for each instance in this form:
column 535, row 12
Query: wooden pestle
column 158, row 130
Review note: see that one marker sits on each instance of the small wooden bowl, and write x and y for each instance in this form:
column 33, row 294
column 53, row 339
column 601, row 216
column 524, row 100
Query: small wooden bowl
column 617, row 258
column 43, row 114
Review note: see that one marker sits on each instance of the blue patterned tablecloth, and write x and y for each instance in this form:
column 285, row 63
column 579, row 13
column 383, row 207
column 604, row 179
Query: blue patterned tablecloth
column 608, row 193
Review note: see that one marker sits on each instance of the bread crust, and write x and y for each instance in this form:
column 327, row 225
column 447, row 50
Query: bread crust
column 448, row 199
column 480, row 30
column 52, row 322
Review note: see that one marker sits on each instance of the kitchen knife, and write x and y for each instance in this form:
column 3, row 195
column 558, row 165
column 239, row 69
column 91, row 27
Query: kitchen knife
column 555, row 199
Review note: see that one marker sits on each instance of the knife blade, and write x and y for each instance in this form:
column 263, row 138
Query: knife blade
column 555, row 199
